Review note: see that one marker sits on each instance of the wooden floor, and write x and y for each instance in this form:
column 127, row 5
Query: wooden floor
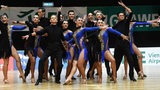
column 150, row 83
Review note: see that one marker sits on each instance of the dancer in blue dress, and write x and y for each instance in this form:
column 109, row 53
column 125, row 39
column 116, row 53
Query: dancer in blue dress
column 68, row 35
column 80, row 51
column 137, row 55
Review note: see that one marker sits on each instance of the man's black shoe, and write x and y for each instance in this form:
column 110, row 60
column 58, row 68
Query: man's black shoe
column 57, row 81
column 37, row 83
column 73, row 78
column 133, row 79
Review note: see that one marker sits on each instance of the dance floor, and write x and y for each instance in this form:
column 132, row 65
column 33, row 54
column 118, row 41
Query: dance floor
column 149, row 83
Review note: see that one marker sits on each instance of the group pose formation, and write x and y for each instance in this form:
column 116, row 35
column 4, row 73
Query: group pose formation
column 78, row 40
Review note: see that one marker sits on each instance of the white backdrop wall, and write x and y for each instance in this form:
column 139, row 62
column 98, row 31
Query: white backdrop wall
column 26, row 13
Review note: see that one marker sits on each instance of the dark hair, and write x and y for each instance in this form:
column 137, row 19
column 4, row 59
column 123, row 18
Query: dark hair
column 78, row 17
column 36, row 13
column 4, row 14
column 120, row 12
column 43, row 9
column 64, row 21
column 70, row 11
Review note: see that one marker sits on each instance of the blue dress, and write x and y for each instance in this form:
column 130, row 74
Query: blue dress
column 104, row 37
column 68, row 36
column 77, row 36
column 131, row 32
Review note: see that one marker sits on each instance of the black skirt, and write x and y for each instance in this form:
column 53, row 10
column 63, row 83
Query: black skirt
column 5, row 48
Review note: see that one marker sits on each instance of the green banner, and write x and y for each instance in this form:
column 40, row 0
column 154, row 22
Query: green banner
column 140, row 13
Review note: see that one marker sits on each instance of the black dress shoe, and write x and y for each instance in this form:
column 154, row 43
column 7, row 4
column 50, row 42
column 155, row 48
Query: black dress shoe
column 37, row 83
column 57, row 81
column 133, row 79
column 51, row 74
column 73, row 78
column 145, row 75
column 110, row 74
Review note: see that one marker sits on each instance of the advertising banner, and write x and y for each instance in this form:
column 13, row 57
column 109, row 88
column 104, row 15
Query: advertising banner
column 150, row 55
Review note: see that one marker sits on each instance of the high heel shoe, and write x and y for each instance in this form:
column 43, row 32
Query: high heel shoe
column 5, row 81
column 113, row 79
column 140, row 75
column 32, row 80
column 23, row 77
column 84, row 81
column 69, row 82
column 99, row 80
column 124, row 77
